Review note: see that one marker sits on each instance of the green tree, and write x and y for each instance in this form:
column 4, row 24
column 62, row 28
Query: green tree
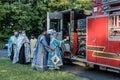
column 27, row 14
column 31, row 14
column 56, row 5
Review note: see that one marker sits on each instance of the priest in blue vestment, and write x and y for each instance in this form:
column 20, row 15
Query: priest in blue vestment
column 23, row 47
column 40, row 56
column 12, row 47
column 54, row 56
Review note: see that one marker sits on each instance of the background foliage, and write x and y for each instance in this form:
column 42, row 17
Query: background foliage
column 30, row 15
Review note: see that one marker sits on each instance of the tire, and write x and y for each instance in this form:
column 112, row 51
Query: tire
column 96, row 67
column 67, row 61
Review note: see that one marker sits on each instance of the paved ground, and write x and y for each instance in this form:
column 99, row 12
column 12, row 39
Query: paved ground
column 3, row 53
column 92, row 74
column 82, row 71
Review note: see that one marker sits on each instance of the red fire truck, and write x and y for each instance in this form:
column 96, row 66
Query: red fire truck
column 94, row 38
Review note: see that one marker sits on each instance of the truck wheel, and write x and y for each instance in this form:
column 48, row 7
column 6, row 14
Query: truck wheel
column 67, row 61
column 96, row 67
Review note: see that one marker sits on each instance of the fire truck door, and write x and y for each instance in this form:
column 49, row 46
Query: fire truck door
column 97, row 39
column 55, row 21
column 101, row 39
column 91, row 40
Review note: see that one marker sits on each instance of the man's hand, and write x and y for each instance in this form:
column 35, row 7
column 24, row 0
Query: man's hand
column 67, row 38
column 53, row 49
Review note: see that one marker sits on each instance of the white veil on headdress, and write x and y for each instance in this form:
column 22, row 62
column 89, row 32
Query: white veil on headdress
column 52, row 32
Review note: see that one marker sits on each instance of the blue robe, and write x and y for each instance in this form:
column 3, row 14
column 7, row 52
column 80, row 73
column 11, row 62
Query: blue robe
column 23, row 49
column 54, row 57
column 12, row 48
column 10, row 42
column 40, row 56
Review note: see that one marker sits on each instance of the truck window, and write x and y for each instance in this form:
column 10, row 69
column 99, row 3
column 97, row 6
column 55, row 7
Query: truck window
column 55, row 24
column 114, row 27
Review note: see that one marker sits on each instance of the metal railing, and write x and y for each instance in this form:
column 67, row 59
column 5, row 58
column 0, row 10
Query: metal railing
column 110, row 1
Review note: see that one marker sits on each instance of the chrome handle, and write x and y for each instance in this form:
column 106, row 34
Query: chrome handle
column 94, row 40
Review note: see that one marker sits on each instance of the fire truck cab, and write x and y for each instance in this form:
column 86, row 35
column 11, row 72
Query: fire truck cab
column 94, row 39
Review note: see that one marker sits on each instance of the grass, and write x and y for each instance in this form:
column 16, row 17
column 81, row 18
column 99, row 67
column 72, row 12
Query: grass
column 9, row 71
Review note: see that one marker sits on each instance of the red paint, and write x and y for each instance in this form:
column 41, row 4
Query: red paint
column 98, row 4
column 90, row 57
column 98, row 30
column 97, row 34
column 114, row 63
column 75, row 43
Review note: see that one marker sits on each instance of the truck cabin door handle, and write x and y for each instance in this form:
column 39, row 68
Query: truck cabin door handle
column 94, row 40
